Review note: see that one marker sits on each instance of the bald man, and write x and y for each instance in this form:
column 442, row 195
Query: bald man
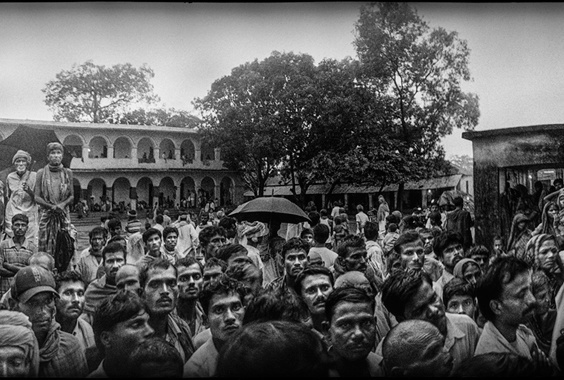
column 127, row 277
column 415, row 348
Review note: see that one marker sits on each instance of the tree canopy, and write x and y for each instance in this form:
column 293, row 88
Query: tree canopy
column 97, row 94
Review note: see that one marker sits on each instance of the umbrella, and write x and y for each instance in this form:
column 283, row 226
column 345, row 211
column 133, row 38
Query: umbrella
column 267, row 209
column 32, row 140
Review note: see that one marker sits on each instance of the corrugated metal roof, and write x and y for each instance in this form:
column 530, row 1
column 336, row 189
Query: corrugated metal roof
column 432, row 183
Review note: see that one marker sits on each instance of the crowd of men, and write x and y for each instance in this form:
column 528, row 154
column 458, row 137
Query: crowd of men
column 222, row 297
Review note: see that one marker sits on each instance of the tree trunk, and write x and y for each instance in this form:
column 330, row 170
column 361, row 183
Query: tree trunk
column 399, row 203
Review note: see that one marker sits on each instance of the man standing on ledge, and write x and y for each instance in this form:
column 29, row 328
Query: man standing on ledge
column 53, row 193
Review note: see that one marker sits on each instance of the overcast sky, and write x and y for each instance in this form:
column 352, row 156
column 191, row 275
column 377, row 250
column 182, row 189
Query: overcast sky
column 516, row 58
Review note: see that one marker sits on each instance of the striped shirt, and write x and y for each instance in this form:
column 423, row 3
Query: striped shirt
column 10, row 254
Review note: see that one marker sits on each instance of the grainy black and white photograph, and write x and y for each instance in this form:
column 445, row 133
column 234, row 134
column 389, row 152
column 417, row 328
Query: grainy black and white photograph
column 281, row 189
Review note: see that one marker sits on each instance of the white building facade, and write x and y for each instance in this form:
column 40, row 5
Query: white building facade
column 137, row 164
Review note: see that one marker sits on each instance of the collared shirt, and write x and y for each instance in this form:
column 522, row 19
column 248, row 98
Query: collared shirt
column 204, row 361
column 99, row 372
column 84, row 333
column 10, row 254
column 187, row 238
column 88, row 267
column 178, row 334
column 492, row 340
column 439, row 285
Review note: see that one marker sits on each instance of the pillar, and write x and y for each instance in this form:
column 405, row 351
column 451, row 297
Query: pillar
column 133, row 198
column 134, row 154
column 370, row 201
column 110, row 151
column 85, row 152
column 177, row 155
column 216, row 153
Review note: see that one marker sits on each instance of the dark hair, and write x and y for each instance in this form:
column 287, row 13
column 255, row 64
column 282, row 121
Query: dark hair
column 371, row 230
column 187, row 261
column 491, row 284
column 115, row 309
column 457, row 287
column 311, row 270
column 215, row 262
column 320, row 233
column 275, row 304
column 230, row 225
column 445, row 239
column 98, row 230
column 224, row 253
column 392, row 227
column 113, row 247
column 150, row 232
column 224, row 285
column 314, row 217
column 409, row 236
column 160, row 263
column 157, row 350
column 458, row 201
column 400, row 287
column 242, row 271
column 159, row 218
column 113, row 223
column 280, row 348
column 117, row 238
column 294, row 243
column 479, row 250
column 169, row 229
column 435, row 218
column 68, row 276
column 208, row 232
column 306, row 231
column 347, row 294
column 350, row 241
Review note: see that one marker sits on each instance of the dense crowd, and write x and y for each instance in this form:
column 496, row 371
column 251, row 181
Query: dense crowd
column 381, row 294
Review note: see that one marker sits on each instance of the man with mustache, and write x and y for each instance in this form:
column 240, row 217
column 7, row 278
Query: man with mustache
column 190, row 281
column 70, row 305
column 506, row 300
column 34, row 294
column 222, row 302
column 88, row 261
column 350, row 329
column 449, row 250
column 353, row 256
column 158, row 280
column 113, row 258
column 409, row 294
column 293, row 258
column 313, row 285
column 120, row 325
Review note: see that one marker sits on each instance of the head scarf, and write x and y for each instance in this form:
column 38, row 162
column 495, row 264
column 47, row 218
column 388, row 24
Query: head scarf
column 54, row 145
column 15, row 330
column 22, row 154
column 458, row 270
column 533, row 247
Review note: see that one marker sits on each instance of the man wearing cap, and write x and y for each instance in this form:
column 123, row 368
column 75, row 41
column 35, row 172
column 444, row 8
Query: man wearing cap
column 20, row 192
column 15, row 252
column 53, row 193
column 60, row 353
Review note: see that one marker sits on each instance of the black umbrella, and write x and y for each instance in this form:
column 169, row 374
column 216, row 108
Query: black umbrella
column 32, row 140
column 267, row 209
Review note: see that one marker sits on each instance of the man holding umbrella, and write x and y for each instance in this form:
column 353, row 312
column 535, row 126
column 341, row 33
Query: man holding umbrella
column 53, row 193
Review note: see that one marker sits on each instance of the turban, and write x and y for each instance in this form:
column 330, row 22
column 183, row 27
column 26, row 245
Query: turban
column 22, row 154
column 255, row 229
column 15, row 330
column 533, row 247
column 458, row 270
column 54, row 145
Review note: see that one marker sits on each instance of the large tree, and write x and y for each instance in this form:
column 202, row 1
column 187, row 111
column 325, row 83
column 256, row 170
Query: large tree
column 97, row 94
column 158, row 117
column 420, row 71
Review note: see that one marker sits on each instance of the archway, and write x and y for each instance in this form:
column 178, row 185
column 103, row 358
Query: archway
column 167, row 193
column 122, row 147
column 145, row 150
column 144, row 193
column 226, row 188
column 98, row 148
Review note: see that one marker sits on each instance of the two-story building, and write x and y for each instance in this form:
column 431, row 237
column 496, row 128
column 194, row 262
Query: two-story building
column 138, row 164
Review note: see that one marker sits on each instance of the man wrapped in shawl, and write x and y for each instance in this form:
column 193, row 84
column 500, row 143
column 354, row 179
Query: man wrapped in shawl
column 53, row 193
column 18, row 342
